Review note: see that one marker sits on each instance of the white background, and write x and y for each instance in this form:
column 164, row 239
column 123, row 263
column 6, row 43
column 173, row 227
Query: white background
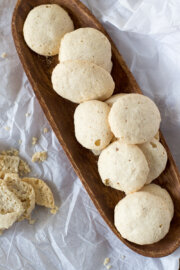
column 147, row 34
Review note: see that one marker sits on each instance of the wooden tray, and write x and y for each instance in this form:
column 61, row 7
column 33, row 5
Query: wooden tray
column 59, row 112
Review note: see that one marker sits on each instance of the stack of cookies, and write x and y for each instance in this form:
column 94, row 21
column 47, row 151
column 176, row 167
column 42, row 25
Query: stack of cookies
column 122, row 129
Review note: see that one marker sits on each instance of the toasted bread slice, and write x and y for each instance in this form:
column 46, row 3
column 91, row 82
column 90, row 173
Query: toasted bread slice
column 43, row 194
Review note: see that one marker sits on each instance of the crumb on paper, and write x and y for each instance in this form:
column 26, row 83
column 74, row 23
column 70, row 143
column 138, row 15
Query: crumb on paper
column 106, row 261
column 4, row 55
column 54, row 210
column 123, row 257
column 108, row 266
column 32, row 221
column 27, row 114
column 7, row 128
column 20, row 141
column 45, row 130
column 39, row 156
column 34, row 140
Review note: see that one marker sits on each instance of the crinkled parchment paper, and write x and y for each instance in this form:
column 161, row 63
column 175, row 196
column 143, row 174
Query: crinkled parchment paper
column 147, row 33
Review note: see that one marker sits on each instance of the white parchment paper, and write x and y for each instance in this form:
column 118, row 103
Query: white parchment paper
column 147, row 33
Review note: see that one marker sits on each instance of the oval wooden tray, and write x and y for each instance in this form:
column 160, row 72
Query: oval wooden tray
column 59, row 112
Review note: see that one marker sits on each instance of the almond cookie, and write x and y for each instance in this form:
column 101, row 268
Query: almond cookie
column 91, row 125
column 156, row 156
column 80, row 81
column 142, row 218
column 134, row 119
column 122, row 166
column 44, row 28
column 86, row 44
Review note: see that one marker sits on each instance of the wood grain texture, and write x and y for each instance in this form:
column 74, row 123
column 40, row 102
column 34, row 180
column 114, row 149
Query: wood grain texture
column 59, row 112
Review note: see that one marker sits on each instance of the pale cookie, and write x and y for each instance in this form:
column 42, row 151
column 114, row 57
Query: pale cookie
column 44, row 28
column 110, row 101
column 162, row 193
column 80, row 81
column 157, row 136
column 43, row 193
column 156, row 156
column 11, row 207
column 24, row 192
column 96, row 152
column 86, row 44
column 124, row 167
column 91, row 125
column 134, row 119
column 142, row 218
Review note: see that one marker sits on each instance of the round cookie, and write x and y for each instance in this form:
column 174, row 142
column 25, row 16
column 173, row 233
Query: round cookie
column 162, row 193
column 80, row 81
column 156, row 156
column 110, row 101
column 86, row 44
column 123, row 167
column 44, row 28
column 91, row 124
column 142, row 218
column 134, row 119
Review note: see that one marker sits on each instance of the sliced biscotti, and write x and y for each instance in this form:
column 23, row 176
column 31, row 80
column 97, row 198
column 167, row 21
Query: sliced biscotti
column 23, row 191
column 43, row 193
column 11, row 207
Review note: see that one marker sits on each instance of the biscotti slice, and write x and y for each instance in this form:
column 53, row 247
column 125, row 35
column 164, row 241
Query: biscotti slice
column 43, row 193
column 9, row 164
column 24, row 192
column 11, row 207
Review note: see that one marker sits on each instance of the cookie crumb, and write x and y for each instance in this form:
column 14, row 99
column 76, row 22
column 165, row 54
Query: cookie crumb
column 54, row 210
column 45, row 130
column 32, row 221
column 39, row 156
column 123, row 257
column 4, row 55
column 106, row 261
column 20, row 141
column 7, row 128
column 108, row 266
column 34, row 140
column 27, row 114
